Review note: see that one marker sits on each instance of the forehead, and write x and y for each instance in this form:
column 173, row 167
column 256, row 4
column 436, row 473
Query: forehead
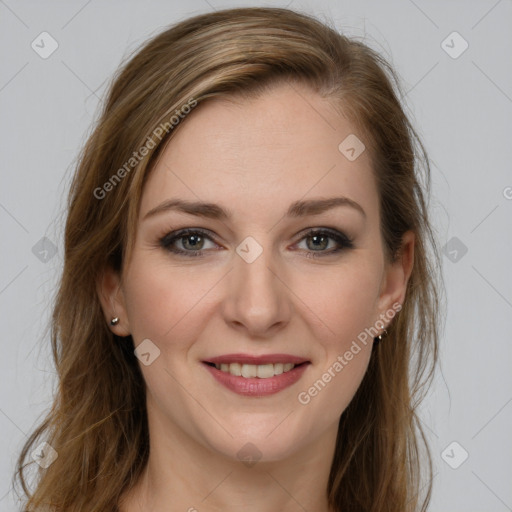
column 261, row 154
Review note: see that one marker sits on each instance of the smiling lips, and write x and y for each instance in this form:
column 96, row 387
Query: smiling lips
column 256, row 375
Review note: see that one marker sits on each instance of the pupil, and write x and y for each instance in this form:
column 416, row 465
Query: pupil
column 193, row 237
column 317, row 237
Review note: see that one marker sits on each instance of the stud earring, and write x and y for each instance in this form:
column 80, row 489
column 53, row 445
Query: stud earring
column 381, row 335
column 114, row 321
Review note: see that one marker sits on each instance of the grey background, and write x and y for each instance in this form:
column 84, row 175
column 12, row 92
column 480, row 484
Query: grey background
column 462, row 107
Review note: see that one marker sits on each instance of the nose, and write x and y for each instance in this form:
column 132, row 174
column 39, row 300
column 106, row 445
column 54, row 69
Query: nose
column 257, row 300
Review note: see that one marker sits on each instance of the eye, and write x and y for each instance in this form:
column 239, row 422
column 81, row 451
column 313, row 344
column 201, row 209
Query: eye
column 320, row 237
column 192, row 242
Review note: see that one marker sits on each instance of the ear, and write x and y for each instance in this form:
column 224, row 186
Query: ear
column 396, row 275
column 110, row 293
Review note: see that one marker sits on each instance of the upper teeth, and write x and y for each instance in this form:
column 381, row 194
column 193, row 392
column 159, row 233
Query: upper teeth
column 263, row 371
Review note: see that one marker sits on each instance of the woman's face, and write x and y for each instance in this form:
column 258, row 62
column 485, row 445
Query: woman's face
column 253, row 286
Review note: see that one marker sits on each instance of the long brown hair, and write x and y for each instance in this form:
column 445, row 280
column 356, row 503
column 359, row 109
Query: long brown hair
column 98, row 424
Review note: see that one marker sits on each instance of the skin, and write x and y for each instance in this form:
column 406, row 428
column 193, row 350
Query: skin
column 193, row 308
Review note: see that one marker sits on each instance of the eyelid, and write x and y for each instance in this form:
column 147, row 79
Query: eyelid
column 335, row 232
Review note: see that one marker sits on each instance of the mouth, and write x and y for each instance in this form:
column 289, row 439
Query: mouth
column 250, row 371
column 256, row 375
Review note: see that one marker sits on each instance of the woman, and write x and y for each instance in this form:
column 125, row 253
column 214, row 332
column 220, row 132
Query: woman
column 247, row 284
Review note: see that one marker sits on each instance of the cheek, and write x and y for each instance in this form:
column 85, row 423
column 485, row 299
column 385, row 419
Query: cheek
column 345, row 304
column 343, row 298
column 160, row 299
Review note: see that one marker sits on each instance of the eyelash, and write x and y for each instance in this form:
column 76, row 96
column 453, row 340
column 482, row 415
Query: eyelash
column 342, row 240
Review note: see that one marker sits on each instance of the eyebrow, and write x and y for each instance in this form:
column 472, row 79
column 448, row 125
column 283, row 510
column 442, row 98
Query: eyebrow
column 215, row 211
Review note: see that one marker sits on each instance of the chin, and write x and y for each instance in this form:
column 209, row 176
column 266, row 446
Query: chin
column 262, row 441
